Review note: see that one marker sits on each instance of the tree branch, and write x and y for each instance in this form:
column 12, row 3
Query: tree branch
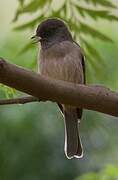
column 95, row 98
column 21, row 100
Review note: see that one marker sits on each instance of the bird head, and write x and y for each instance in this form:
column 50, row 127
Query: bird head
column 52, row 30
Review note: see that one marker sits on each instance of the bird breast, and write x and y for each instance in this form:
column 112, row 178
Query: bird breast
column 62, row 61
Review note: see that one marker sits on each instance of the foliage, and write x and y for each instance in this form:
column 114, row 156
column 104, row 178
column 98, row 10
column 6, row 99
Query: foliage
column 109, row 173
column 32, row 145
column 32, row 135
column 80, row 16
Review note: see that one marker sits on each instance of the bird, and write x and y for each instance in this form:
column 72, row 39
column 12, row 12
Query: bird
column 61, row 58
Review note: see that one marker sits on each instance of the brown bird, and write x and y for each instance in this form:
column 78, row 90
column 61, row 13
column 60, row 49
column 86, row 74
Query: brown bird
column 61, row 58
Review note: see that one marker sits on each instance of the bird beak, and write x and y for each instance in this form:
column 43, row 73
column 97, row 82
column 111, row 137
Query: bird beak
column 36, row 39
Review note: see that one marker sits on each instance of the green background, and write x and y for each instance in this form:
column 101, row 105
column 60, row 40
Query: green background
column 32, row 135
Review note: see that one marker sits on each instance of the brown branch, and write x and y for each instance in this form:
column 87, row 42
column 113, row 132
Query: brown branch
column 21, row 100
column 95, row 98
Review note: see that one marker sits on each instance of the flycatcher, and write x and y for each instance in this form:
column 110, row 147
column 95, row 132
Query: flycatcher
column 61, row 58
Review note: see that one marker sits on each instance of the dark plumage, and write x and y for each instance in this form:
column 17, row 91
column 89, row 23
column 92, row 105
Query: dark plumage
column 52, row 31
column 61, row 58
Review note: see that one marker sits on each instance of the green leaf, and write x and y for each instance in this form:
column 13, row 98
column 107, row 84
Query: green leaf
column 57, row 6
column 87, row 29
column 18, row 12
column 95, row 13
column 112, row 17
column 21, row 2
column 95, row 59
column 97, row 68
column 30, row 24
column 93, row 52
column 105, row 3
column 31, row 7
column 55, row 14
column 8, row 92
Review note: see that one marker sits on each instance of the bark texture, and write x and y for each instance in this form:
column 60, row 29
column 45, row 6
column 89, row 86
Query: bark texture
column 97, row 98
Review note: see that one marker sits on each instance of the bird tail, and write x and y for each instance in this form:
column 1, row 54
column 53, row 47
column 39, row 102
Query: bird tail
column 73, row 147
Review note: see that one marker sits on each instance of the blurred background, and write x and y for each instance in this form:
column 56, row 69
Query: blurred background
column 32, row 135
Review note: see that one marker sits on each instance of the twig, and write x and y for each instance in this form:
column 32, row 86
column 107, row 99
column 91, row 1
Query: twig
column 21, row 100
